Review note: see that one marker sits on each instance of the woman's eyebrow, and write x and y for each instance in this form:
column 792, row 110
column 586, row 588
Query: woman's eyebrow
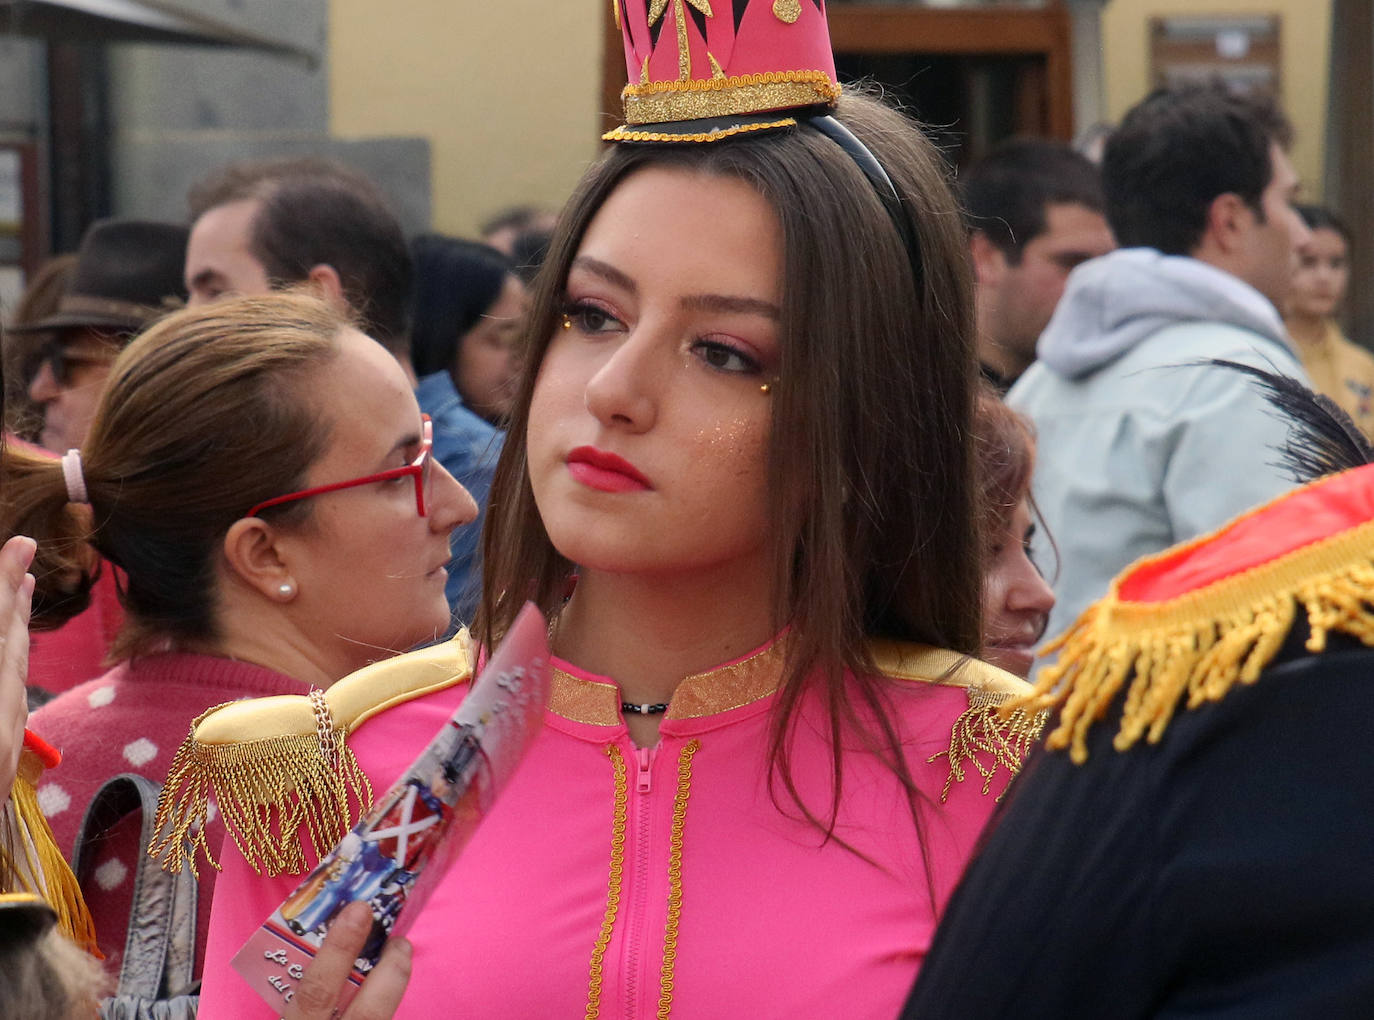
column 732, row 304
column 695, row 302
column 606, row 271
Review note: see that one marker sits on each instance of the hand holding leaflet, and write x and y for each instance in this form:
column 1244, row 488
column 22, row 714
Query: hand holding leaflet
column 403, row 844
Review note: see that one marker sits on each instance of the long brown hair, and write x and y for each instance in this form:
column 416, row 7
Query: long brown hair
column 870, row 472
column 202, row 417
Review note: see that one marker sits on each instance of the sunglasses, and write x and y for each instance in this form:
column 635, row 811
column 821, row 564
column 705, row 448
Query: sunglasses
column 63, row 361
column 421, row 469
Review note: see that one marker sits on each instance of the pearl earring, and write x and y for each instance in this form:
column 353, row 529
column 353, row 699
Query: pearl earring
column 287, row 589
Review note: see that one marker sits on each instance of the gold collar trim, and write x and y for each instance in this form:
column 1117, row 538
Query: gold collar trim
column 597, row 702
column 901, row 660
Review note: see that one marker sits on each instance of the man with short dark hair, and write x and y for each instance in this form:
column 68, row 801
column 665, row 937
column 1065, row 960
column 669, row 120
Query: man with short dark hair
column 1141, row 445
column 1035, row 212
column 260, row 226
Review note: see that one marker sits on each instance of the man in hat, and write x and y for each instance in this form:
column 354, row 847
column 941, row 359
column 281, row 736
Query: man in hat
column 128, row 273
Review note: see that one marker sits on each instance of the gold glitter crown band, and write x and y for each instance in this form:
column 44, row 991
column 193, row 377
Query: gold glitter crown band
column 695, row 99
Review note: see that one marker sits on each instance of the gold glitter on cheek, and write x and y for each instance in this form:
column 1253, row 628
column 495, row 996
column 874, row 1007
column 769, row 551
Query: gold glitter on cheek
column 728, row 437
column 736, row 447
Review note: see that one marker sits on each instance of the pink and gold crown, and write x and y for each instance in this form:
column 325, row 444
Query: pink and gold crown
column 703, row 70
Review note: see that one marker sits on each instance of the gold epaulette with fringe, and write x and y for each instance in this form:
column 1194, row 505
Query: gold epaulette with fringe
column 281, row 765
column 30, row 861
column 1197, row 645
column 985, row 735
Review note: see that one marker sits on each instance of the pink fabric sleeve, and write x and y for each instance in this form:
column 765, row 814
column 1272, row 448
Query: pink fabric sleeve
column 243, row 899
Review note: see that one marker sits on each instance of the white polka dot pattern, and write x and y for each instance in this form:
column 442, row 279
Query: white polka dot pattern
column 101, row 696
column 53, row 800
column 111, row 873
column 140, row 751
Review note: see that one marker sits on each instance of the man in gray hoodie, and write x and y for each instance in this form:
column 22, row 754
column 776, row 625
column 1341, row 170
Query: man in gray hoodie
column 1140, row 444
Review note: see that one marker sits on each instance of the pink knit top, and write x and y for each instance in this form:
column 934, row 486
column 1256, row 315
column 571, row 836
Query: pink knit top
column 617, row 881
column 133, row 719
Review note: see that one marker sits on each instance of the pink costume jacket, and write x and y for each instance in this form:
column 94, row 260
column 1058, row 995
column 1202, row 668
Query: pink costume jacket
column 617, row 881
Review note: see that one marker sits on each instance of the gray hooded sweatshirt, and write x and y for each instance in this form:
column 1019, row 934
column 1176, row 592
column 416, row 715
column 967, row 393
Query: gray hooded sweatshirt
column 1139, row 447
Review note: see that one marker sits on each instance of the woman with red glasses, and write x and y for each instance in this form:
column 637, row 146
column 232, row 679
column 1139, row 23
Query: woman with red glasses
column 259, row 473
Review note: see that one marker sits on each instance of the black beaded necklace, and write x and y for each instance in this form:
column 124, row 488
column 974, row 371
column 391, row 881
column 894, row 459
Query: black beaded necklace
column 655, row 709
column 658, row 708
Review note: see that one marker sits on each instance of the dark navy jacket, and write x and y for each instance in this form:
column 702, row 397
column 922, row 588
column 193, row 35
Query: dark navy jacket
column 1226, row 872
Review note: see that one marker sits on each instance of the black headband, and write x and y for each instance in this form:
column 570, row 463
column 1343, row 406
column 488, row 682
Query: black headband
column 882, row 184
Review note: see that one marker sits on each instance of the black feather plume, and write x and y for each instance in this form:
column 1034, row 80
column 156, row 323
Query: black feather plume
column 1322, row 440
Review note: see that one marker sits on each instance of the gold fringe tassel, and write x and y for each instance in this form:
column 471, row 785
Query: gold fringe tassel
column 988, row 739
column 31, row 862
column 1198, row 646
column 267, row 791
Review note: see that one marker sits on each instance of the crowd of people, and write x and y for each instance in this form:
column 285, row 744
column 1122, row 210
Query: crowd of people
column 803, row 446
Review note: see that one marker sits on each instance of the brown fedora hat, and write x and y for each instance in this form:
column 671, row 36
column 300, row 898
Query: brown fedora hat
column 128, row 273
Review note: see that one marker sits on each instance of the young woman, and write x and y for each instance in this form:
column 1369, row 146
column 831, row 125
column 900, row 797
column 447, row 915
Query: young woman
column 259, row 473
column 1338, row 368
column 1016, row 599
column 468, row 315
column 469, row 308
column 738, row 484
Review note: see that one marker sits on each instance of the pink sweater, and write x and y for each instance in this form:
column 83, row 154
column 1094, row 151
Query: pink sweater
column 132, row 719
column 626, row 879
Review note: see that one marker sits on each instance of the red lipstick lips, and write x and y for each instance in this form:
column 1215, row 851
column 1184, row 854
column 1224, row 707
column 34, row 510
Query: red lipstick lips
column 603, row 471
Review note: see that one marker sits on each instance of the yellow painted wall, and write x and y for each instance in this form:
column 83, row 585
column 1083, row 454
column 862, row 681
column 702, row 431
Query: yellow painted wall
column 506, row 91
column 1305, row 49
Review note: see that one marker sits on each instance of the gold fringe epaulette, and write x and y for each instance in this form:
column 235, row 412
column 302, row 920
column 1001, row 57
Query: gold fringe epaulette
column 1196, row 647
column 30, row 861
column 987, row 735
column 281, row 766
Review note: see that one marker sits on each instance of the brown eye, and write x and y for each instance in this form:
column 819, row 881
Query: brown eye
column 591, row 319
column 725, row 358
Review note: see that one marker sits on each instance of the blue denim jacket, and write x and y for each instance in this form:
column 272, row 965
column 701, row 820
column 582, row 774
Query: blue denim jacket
column 468, row 447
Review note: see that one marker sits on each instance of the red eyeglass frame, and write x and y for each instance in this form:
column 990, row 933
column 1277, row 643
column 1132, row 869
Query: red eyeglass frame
column 419, row 468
